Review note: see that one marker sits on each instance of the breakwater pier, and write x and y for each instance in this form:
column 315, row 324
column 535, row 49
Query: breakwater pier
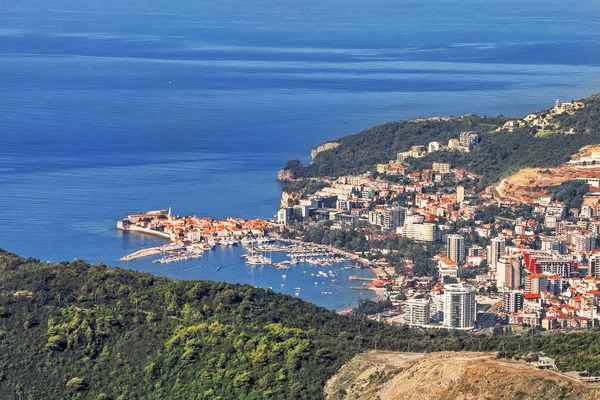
column 143, row 253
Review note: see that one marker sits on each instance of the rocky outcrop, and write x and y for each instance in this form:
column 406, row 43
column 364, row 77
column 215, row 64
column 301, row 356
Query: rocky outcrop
column 448, row 376
column 285, row 175
column 323, row 147
column 289, row 199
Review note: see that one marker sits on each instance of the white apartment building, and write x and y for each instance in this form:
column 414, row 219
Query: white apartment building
column 417, row 311
column 460, row 306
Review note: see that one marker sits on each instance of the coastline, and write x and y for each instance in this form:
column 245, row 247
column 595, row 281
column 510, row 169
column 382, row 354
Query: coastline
column 134, row 228
column 151, row 251
column 377, row 272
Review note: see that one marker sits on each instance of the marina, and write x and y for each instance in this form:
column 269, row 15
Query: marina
column 325, row 286
column 307, row 253
column 253, row 248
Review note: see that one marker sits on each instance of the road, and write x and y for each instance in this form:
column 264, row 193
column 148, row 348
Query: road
column 488, row 320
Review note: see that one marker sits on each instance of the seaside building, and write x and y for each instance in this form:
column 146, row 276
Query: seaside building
column 284, row 215
column 555, row 265
column 454, row 144
column 417, row 151
column 455, row 248
column 376, row 217
column 460, row 306
column 417, row 311
column 343, row 204
column 414, row 228
column 382, row 168
column 446, row 267
column 420, row 232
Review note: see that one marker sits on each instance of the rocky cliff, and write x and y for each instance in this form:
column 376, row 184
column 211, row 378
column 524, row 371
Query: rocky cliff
column 289, row 199
column 322, row 148
column 285, row 175
column 449, row 376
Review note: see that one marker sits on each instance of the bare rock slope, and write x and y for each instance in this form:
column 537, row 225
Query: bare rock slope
column 529, row 184
column 322, row 148
column 446, row 376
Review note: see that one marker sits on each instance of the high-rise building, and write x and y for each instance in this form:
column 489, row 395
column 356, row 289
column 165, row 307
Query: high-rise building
column 475, row 251
column 512, row 301
column 415, row 229
column 456, row 248
column 284, row 215
column 594, row 266
column 460, row 306
column 393, row 217
column 376, row 217
column 427, row 175
column 585, row 242
column 427, row 232
column 417, row 311
column 496, row 249
column 555, row 284
column 535, row 283
column 508, row 273
column 460, row 194
column 554, row 244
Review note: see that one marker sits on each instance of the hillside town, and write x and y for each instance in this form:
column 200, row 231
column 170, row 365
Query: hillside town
column 544, row 119
column 498, row 265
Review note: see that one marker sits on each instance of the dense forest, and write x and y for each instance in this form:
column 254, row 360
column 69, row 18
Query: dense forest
column 305, row 186
column 359, row 153
column 498, row 153
column 571, row 193
column 74, row 330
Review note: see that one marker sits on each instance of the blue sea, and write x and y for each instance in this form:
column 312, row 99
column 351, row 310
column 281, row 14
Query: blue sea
column 110, row 107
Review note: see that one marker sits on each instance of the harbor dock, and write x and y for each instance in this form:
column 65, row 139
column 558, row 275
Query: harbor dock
column 142, row 253
column 358, row 278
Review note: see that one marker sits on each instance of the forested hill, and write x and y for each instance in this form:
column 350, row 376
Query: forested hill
column 499, row 152
column 74, row 330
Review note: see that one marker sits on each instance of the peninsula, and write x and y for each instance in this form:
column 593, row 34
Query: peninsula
column 190, row 236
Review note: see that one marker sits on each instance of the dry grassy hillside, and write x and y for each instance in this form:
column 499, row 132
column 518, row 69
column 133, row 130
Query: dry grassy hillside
column 529, row 184
column 448, row 376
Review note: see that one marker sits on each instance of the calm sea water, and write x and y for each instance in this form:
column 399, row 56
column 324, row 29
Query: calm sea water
column 119, row 106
